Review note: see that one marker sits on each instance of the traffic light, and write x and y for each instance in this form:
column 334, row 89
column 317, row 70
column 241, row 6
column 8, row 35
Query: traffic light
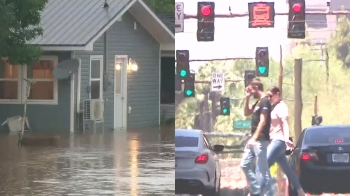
column 296, row 19
column 249, row 75
column 189, row 86
column 205, row 21
column 182, row 63
column 262, row 61
column 225, row 106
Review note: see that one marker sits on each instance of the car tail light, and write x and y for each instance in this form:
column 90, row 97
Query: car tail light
column 339, row 141
column 202, row 158
column 308, row 156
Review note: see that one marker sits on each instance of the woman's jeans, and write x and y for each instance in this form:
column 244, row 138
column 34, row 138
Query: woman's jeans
column 276, row 153
column 249, row 163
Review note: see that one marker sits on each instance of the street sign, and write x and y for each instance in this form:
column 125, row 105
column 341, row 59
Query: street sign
column 179, row 17
column 242, row 124
column 217, row 82
column 261, row 14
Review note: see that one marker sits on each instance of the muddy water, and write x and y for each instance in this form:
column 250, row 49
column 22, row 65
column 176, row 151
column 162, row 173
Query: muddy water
column 121, row 163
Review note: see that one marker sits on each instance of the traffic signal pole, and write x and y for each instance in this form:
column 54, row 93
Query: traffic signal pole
column 298, row 102
column 280, row 77
column 234, row 15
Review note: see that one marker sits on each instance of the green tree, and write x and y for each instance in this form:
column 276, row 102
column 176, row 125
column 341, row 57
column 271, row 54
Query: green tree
column 20, row 24
column 162, row 6
column 341, row 41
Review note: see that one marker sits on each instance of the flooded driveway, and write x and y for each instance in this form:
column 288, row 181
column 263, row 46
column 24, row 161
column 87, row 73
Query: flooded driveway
column 121, row 163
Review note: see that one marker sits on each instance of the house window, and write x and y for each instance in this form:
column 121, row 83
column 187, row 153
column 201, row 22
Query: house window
column 9, row 82
column 45, row 86
column 96, row 69
column 167, row 80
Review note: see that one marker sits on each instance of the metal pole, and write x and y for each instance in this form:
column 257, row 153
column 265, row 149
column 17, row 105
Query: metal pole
column 280, row 77
column 298, row 104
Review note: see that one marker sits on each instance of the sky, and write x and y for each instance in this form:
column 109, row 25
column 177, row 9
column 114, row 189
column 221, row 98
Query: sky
column 233, row 38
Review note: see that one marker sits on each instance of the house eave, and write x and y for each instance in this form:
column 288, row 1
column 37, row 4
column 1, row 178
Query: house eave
column 88, row 47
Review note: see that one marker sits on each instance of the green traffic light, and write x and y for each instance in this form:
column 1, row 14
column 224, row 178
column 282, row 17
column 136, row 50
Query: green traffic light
column 189, row 92
column 183, row 73
column 262, row 69
column 225, row 110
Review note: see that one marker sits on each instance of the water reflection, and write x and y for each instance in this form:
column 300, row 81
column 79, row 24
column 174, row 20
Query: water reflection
column 134, row 147
column 123, row 163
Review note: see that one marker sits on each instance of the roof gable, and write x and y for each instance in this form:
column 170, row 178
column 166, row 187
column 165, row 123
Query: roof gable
column 75, row 22
column 168, row 20
column 81, row 22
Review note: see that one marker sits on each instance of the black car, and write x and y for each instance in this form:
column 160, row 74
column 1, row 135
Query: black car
column 321, row 160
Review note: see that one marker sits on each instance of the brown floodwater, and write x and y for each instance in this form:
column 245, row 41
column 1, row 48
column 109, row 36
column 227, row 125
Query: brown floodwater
column 120, row 163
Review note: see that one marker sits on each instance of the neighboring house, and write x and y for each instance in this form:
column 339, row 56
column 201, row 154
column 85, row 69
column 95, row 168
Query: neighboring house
column 120, row 50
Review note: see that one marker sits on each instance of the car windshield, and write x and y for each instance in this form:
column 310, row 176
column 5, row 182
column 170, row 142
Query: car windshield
column 185, row 141
column 327, row 135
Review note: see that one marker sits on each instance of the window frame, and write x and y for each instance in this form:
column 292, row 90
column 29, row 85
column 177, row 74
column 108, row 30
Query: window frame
column 53, row 58
column 100, row 58
column 207, row 143
column 19, row 87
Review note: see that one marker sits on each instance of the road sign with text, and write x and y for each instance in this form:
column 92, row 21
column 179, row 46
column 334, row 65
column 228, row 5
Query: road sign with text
column 217, row 82
column 179, row 17
column 242, row 124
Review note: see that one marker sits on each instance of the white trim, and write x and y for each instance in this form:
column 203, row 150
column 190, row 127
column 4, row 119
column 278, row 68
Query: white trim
column 79, row 86
column 88, row 47
column 53, row 58
column 167, row 46
column 19, row 87
column 100, row 58
column 168, row 55
column 157, row 19
column 124, row 75
column 72, row 90
column 121, row 13
column 160, row 81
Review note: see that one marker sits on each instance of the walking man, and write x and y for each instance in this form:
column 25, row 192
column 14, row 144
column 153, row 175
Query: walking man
column 255, row 152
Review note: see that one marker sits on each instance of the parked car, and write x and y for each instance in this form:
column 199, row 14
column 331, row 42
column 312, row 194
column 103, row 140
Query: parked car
column 321, row 159
column 197, row 167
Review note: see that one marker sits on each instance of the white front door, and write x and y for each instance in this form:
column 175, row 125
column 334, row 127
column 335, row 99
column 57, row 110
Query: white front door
column 120, row 92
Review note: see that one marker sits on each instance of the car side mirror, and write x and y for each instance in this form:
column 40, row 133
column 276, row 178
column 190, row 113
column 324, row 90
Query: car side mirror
column 218, row 148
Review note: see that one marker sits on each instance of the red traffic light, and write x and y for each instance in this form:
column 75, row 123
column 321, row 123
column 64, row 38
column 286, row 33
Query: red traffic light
column 262, row 53
column 206, row 10
column 297, row 8
column 182, row 57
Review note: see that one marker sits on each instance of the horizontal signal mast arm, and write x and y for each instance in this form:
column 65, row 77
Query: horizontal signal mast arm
column 208, row 82
column 222, row 59
column 188, row 16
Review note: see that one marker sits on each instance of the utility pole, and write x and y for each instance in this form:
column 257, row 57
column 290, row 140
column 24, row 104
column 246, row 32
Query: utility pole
column 280, row 77
column 327, row 65
column 280, row 179
column 298, row 104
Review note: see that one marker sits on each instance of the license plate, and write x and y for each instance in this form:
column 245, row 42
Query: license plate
column 340, row 158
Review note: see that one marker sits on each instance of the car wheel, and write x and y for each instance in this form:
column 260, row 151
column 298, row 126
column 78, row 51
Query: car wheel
column 215, row 191
column 218, row 188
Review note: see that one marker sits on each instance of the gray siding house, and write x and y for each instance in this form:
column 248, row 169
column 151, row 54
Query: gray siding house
column 119, row 47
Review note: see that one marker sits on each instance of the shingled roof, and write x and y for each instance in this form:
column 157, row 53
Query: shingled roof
column 77, row 23
column 168, row 20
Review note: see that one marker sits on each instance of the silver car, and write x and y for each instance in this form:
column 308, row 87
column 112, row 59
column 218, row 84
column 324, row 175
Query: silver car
column 197, row 167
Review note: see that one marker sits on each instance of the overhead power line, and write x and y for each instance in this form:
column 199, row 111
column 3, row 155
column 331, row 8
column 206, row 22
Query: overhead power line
column 189, row 16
